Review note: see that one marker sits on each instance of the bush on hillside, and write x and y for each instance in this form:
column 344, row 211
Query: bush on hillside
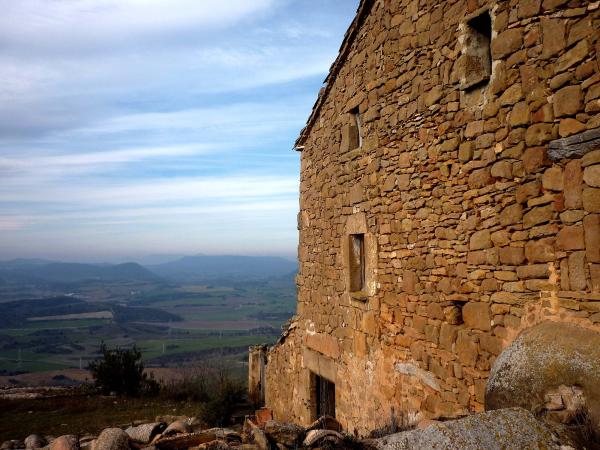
column 121, row 371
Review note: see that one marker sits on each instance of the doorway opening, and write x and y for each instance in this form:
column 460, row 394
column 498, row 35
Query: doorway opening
column 323, row 394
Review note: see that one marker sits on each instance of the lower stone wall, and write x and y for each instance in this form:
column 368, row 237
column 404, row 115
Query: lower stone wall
column 287, row 380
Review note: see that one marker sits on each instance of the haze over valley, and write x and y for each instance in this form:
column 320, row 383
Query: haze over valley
column 177, row 312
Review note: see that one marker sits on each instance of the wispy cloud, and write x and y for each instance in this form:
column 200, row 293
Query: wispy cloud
column 131, row 126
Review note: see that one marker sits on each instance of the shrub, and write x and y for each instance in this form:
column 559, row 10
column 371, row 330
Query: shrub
column 214, row 387
column 225, row 394
column 121, row 371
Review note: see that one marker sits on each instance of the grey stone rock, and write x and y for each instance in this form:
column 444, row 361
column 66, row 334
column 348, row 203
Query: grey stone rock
column 112, row 439
column 145, row 433
column 35, row 441
column 259, row 438
column 318, row 437
column 574, row 146
column 512, row 428
column 179, row 426
column 284, row 433
column 539, row 361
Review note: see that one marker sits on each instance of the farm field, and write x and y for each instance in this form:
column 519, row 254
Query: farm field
column 173, row 325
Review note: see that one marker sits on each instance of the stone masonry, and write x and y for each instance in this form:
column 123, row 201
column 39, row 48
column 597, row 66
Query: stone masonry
column 467, row 162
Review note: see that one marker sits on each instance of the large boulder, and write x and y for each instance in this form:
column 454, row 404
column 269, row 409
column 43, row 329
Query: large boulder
column 287, row 434
column 322, row 438
column 177, row 427
column 35, row 441
column 552, row 367
column 145, row 433
column 513, row 428
column 112, row 439
column 66, row 442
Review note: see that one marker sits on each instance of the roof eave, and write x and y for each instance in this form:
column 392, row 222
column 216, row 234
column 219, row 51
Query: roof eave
column 364, row 8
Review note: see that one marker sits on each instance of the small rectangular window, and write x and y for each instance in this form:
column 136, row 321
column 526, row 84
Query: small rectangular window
column 357, row 262
column 477, row 52
column 357, row 124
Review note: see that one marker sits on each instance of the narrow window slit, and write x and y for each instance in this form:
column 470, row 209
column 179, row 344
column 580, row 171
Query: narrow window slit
column 357, row 262
column 357, row 123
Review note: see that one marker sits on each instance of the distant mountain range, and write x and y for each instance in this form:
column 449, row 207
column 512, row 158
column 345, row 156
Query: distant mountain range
column 187, row 269
column 203, row 268
column 40, row 271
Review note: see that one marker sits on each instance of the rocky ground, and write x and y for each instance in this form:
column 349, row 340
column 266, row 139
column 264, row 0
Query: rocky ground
column 511, row 428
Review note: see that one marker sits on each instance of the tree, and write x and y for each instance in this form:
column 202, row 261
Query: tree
column 121, row 371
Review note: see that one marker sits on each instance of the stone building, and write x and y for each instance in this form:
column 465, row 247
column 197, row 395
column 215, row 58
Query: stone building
column 449, row 204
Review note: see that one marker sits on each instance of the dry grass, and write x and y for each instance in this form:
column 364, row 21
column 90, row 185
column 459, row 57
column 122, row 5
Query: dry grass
column 81, row 414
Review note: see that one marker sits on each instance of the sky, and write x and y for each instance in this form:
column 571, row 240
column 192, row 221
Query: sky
column 148, row 127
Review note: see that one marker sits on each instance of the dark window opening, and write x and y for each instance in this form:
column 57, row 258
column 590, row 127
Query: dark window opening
column 357, row 123
column 323, row 396
column 478, row 55
column 357, row 262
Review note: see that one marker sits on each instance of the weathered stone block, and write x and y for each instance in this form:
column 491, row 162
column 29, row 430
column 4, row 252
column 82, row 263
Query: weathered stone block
column 591, row 199
column 540, row 251
column 591, row 158
column 572, row 57
column 539, row 133
column 570, row 238
column 573, row 179
column 591, row 226
column 519, row 115
column 511, row 256
column 538, row 215
column 480, row 178
column 534, row 159
column 577, row 279
column 512, row 95
column 477, row 315
column 568, row 127
column 568, row 101
column 533, row 271
column 591, row 175
column 595, row 277
column 528, row 190
column 465, row 151
column 501, row 238
column 507, row 42
column 511, row 214
column 480, row 240
column 323, row 343
column 553, row 179
column 553, row 36
column 502, row 169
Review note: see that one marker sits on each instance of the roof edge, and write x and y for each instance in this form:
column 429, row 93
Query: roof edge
column 364, row 8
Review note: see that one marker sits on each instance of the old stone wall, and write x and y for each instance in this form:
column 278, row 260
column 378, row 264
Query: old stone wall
column 472, row 231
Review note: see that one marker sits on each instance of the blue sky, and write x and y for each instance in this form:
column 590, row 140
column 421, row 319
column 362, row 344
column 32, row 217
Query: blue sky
column 139, row 127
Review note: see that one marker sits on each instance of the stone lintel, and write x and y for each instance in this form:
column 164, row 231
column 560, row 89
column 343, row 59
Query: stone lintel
column 320, row 365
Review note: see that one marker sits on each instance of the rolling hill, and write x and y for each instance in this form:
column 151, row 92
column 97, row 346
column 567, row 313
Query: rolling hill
column 208, row 268
column 24, row 271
